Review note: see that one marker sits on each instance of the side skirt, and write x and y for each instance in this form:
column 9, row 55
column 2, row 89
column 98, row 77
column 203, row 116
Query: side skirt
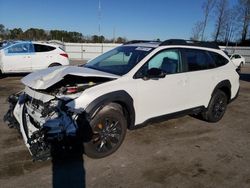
column 174, row 115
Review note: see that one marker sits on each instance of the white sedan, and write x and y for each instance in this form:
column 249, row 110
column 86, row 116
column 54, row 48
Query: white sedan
column 238, row 60
column 27, row 56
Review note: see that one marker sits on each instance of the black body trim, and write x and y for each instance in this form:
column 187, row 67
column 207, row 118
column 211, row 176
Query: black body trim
column 141, row 41
column 235, row 97
column 121, row 97
column 213, row 45
column 225, row 86
column 174, row 115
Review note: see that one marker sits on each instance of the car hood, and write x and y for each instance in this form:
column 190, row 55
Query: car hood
column 43, row 79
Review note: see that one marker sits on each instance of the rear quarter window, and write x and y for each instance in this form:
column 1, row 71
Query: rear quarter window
column 43, row 48
column 218, row 59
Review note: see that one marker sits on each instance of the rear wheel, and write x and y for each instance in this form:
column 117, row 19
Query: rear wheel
column 55, row 64
column 216, row 107
column 109, row 129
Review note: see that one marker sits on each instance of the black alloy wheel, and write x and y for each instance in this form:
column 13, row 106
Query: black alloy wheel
column 216, row 108
column 109, row 129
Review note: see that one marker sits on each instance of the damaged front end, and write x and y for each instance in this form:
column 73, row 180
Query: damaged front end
column 9, row 117
column 43, row 118
column 45, row 112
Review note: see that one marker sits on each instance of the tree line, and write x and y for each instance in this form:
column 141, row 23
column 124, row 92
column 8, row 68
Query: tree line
column 231, row 24
column 43, row 35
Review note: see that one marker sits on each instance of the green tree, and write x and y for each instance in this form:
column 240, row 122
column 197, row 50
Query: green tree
column 2, row 31
column 35, row 34
column 95, row 39
column 16, row 33
column 121, row 40
column 2, row 28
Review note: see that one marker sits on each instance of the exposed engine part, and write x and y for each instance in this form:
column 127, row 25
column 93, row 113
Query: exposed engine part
column 53, row 133
column 51, row 122
column 58, row 128
column 73, row 84
column 9, row 116
column 44, row 123
column 67, row 90
column 39, row 147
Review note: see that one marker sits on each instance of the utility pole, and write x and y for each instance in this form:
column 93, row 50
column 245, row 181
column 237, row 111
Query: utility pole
column 99, row 19
column 114, row 35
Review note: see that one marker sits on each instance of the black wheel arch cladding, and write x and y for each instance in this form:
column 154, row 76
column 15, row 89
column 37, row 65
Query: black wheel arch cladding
column 121, row 97
column 224, row 86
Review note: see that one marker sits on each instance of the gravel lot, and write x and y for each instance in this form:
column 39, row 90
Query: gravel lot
column 183, row 152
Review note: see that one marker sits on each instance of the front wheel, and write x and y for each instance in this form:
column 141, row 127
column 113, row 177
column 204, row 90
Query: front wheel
column 216, row 107
column 109, row 130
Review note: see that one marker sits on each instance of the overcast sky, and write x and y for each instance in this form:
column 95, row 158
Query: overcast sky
column 133, row 19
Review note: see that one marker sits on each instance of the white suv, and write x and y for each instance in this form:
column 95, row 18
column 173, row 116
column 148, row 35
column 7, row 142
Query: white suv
column 27, row 56
column 127, row 87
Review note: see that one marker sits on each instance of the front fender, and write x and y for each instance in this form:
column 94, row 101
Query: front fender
column 121, row 97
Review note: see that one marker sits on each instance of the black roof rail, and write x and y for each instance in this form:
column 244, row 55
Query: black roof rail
column 140, row 41
column 190, row 43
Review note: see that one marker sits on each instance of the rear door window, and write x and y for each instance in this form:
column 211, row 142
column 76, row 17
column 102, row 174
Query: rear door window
column 198, row 60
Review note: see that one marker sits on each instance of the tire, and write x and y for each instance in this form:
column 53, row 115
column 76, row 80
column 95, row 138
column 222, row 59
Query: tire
column 109, row 129
column 55, row 64
column 216, row 108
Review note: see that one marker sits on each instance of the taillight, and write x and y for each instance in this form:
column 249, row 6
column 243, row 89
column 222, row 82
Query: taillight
column 65, row 55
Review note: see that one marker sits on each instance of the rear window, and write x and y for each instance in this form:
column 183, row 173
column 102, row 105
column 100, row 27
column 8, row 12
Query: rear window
column 43, row 48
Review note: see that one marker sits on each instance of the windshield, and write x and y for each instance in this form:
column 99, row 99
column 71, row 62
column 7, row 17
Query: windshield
column 120, row 60
column 6, row 44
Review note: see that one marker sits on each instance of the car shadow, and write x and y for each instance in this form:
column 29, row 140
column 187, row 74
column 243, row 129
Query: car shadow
column 67, row 157
column 245, row 77
column 68, row 165
column 13, row 75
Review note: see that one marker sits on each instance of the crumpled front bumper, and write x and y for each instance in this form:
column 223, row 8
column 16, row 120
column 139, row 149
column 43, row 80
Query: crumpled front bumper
column 40, row 118
column 14, row 115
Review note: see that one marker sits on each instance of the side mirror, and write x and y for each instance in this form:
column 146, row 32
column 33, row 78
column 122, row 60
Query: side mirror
column 155, row 73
